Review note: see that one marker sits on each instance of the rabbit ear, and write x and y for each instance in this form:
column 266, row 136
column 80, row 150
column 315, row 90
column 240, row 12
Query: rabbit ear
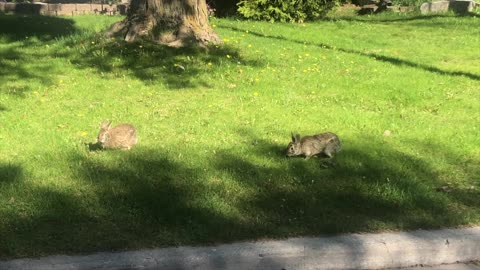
column 106, row 125
column 297, row 138
column 293, row 137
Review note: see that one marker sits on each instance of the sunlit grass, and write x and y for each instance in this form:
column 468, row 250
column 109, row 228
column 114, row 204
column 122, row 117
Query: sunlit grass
column 213, row 125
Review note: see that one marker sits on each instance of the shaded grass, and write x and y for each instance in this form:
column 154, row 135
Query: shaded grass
column 213, row 125
column 23, row 28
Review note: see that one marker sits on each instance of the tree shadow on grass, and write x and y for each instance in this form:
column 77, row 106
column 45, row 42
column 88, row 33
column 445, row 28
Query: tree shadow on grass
column 19, row 69
column 16, row 77
column 377, row 57
column 151, row 63
column 176, row 68
column 45, row 28
column 382, row 19
column 143, row 198
column 365, row 191
column 10, row 173
column 424, row 21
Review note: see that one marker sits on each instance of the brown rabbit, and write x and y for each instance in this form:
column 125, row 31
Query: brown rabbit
column 327, row 144
column 123, row 136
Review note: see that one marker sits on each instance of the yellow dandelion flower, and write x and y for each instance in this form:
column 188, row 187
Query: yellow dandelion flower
column 228, row 56
column 84, row 134
column 255, row 94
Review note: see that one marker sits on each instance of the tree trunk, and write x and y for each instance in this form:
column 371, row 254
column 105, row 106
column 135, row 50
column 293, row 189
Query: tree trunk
column 175, row 23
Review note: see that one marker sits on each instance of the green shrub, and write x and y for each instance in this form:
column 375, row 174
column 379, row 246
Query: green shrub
column 408, row 2
column 285, row 11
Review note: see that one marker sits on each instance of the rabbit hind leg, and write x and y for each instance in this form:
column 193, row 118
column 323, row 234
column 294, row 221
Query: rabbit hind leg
column 330, row 150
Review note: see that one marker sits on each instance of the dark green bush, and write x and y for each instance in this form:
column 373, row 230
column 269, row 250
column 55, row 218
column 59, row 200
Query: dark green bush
column 285, row 10
column 223, row 7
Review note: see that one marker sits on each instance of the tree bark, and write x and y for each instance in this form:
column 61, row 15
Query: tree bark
column 176, row 23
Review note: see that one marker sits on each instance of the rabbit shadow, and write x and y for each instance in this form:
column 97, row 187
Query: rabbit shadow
column 324, row 162
column 275, row 150
column 94, row 146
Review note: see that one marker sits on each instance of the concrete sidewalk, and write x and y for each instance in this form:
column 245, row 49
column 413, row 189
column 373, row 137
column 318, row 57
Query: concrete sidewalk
column 352, row 251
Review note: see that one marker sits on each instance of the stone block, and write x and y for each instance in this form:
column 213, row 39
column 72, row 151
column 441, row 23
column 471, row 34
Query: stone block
column 458, row 6
column 393, row 8
column 97, row 8
column 110, row 9
column 54, row 7
column 434, row 7
column 2, row 7
column 39, row 8
column 50, row 13
column 368, row 9
column 406, row 9
column 84, row 9
column 10, row 7
column 68, row 10
column 462, row 6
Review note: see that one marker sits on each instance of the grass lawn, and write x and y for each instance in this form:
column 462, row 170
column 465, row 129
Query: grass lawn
column 213, row 126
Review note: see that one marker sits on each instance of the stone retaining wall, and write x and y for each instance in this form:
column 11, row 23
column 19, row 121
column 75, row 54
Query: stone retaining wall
column 457, row 6
column 62, row 9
